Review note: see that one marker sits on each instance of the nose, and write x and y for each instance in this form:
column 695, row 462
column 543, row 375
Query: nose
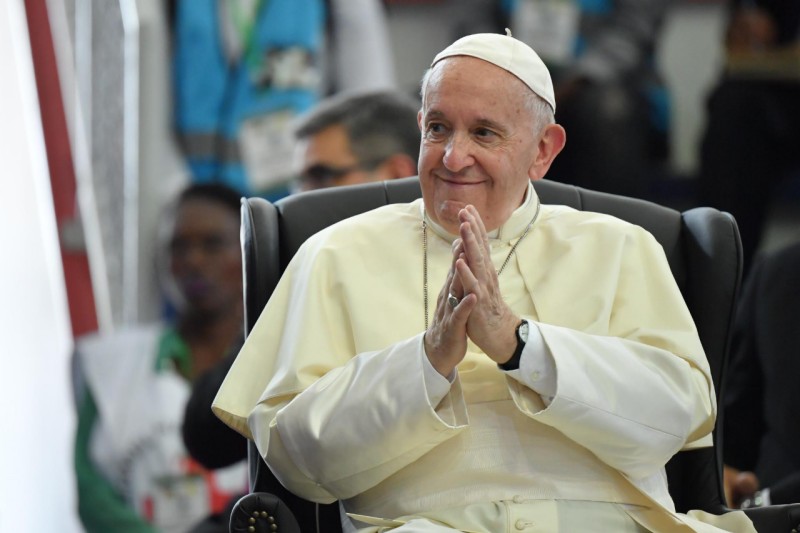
column 191, row 262
column 195, row 255
column 457, row 153
column 190, row 254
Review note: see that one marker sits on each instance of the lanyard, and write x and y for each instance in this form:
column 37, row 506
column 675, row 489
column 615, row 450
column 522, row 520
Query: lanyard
column 245, row 27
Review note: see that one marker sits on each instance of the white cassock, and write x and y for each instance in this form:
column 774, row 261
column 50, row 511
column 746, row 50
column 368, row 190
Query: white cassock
column 331, row 383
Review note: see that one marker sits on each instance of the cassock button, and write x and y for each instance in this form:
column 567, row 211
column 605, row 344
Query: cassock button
column 522, row 524
column 536, row 375
column 518, row 499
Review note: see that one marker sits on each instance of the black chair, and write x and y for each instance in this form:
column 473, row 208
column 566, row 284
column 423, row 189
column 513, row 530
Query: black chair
column 703, row 249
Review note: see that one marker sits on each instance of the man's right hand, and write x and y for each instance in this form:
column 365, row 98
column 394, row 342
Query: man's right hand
column 446, row 337
column 738, row 485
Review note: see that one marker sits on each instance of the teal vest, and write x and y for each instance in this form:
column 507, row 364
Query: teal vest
column 215, row 96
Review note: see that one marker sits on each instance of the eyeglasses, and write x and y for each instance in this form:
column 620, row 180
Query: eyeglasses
column 321, row 174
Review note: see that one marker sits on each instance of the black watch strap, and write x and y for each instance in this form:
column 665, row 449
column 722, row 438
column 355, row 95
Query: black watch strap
column 513, row 363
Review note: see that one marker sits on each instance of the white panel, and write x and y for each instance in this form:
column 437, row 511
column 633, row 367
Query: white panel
column 36, row 476
column 162, row 170
column 690, row 59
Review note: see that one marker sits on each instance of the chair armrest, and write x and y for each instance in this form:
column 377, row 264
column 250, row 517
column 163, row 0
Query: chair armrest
column 775, row 518
column 262, row 511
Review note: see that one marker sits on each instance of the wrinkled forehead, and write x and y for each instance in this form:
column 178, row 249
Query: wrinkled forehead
column 473, row 76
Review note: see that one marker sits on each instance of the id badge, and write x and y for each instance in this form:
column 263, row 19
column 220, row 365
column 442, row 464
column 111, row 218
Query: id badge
column 268, row 147
column 550, row 27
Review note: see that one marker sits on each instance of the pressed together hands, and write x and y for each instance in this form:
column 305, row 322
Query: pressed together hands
column 481, row 314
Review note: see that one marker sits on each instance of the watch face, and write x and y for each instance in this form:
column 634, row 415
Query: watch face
column 523, row 331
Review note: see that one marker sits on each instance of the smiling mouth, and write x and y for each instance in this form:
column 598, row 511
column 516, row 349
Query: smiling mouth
column 459, row 183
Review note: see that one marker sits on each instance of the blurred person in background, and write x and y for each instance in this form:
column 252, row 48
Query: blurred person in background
column 357, row 138
column 244, row 69
column 133, row 472
column 762, row 462
column 609, row 93
column 753, row 116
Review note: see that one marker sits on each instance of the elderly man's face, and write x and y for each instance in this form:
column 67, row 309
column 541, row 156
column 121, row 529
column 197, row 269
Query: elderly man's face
column 478, row 142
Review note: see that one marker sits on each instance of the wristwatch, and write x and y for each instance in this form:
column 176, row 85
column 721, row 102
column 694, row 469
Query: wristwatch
column 522, row 339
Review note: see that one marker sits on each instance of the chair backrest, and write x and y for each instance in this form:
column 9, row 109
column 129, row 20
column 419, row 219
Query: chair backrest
column 702, row 246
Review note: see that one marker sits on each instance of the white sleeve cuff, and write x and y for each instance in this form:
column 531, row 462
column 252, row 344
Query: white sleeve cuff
column 537, row 368
column 436, row 385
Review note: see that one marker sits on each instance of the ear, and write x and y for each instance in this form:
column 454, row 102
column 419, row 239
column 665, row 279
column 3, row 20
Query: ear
column 551, row 142
column 397, row 166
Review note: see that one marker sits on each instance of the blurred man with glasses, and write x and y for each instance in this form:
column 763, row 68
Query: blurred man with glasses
column 356, row 138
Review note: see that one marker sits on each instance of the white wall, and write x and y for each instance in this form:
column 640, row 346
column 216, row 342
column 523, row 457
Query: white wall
column 36, row 476
column 162, row 172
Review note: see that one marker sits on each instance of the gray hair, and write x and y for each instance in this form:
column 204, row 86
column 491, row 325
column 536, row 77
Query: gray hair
column 538, row 107
column 378, row 124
